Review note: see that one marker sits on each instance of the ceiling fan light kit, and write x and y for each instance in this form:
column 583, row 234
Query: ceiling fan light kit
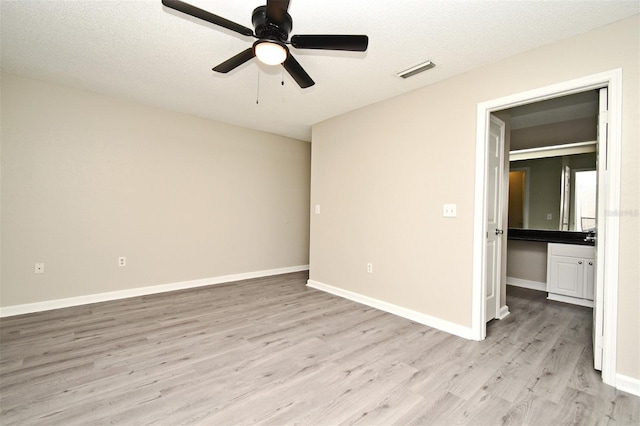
column 270, row 52
column 272, row 24
column 427, row 65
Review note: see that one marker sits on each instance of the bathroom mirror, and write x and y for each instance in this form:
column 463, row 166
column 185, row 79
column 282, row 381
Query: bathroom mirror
column 553, row 188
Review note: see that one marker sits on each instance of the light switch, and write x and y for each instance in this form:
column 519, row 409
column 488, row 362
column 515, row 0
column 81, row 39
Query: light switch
column 317, row 209
column 549, row 216
column 449, row 210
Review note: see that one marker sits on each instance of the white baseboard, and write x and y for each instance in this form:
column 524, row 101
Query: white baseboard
column 48, row 305
column 504, row 312
column 569, row 299
column 628, row 384
column 532, row 285
column 440, row 324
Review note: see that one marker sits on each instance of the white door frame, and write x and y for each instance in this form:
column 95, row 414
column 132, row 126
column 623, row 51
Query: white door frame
column 611, row 226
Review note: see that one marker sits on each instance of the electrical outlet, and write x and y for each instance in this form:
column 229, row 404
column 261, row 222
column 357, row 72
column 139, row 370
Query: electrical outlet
column 370, row 268
column 122, row 261
column 39, row 268
column 549, row 216
column 449, row 210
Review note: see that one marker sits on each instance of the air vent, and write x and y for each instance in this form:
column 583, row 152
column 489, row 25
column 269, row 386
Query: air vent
column 416, row 69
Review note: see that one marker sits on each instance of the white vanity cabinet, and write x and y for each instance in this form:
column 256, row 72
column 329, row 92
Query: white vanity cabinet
column 571, row 271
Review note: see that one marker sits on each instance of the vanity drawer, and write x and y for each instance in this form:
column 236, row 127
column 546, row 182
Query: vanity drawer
column 571, row 250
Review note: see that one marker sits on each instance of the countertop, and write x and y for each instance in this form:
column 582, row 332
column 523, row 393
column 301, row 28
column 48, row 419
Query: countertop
column 548, row 236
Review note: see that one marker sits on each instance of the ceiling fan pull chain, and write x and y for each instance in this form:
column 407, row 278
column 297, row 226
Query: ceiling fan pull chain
column 282, row 81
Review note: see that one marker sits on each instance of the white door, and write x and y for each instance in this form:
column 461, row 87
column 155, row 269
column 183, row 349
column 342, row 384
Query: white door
column 495, row 158
column 598, row 297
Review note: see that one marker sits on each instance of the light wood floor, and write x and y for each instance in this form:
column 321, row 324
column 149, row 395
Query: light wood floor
column 272, row 351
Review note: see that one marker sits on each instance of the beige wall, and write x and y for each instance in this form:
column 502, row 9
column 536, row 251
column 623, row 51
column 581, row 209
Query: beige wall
column 88, row 178
column 382, row 174
column 527, row 260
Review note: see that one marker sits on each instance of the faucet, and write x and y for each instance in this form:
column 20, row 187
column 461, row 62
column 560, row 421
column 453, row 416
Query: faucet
column 591, row 237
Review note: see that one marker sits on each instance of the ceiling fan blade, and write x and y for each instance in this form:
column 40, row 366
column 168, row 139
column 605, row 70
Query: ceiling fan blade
column 354, row 43
column 207, row 16
column 277, row 10
column 297, row 72
column 236, row 61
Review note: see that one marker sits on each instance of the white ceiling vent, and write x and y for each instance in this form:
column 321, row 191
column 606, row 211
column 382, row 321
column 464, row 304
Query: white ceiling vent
column 416, row 69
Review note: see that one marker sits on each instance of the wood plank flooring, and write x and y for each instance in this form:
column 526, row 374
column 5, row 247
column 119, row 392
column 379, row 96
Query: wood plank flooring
column 272, row 351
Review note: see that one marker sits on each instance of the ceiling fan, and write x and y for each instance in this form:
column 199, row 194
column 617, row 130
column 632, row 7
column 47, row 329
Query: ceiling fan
column 272, row 24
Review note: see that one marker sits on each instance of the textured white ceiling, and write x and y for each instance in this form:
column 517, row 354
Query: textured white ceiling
column 140, row 50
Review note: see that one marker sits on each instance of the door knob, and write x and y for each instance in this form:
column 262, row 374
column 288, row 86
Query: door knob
column 499, row 231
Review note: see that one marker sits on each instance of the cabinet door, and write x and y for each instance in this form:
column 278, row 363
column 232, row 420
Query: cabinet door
column 566, row 276
column 589, row 278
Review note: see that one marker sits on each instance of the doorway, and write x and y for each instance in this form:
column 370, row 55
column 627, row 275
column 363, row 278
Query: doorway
column 552, row 176
column 605, row 309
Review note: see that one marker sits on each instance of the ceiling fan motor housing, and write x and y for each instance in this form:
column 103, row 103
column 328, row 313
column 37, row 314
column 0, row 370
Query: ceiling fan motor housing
column 265, row 29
